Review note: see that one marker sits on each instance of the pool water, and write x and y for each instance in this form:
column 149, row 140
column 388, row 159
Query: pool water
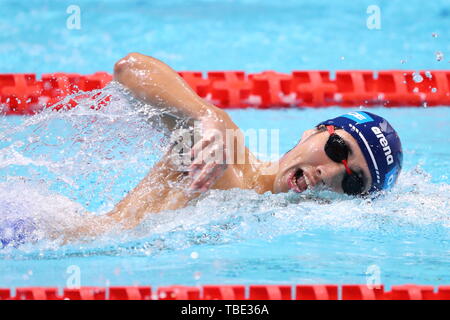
column 69, row 162
column 250, row 35
column 54, row 166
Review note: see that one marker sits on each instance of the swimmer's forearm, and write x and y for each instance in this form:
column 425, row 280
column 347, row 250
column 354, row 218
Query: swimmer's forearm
column 157, row 84
column 152, row 193
column 87, row 227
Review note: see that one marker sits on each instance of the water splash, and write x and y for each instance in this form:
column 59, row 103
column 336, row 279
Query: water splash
column 89, row 156
column 226, row 217
column 55, row 166
column 236, row 215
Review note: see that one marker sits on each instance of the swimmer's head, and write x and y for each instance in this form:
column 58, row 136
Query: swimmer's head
column 373, row 162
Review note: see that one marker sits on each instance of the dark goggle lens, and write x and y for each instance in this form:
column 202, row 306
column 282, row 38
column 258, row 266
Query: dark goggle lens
column 352, row 184
column 336, row 149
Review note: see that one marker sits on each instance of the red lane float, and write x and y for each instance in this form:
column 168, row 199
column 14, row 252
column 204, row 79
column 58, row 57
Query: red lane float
column 25, row 94
column 233, row 292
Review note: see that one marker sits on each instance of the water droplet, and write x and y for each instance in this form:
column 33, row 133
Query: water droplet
column 342, row 58
column 194, row 255
column 417, row 78
column 434, row 34
column 197, row 275
column 433, row 90
column 425, row 105
column 428, row 74
column 415, row 90
column 162, row 295
column 403, row 61
column 439, row 56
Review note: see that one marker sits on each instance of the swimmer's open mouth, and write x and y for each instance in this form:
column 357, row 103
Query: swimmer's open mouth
column 298, row 181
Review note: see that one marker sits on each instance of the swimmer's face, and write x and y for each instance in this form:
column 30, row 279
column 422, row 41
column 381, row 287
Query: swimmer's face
column 307, row 166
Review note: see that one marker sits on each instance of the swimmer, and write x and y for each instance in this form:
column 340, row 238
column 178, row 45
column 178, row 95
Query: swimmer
column 358, row 153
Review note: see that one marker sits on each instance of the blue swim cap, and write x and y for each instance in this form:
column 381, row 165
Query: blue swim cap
column 378, row 142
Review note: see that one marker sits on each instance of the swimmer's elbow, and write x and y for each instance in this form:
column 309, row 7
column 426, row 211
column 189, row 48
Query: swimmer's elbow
column 125, row 64
column 134, row 60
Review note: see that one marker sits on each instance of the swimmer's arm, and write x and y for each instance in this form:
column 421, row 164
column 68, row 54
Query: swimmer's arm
column 86, row 227
column 146, row 198
column 155, row 83
column 164, row 188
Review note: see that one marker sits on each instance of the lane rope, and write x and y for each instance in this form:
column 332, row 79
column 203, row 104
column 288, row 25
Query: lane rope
column 233, row 292
column 25, row 93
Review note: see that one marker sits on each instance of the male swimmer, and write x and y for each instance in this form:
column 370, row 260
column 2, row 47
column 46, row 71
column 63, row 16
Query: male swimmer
column 357, row 153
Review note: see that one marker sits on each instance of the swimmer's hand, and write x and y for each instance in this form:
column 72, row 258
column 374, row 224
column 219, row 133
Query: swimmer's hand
column 208, row 155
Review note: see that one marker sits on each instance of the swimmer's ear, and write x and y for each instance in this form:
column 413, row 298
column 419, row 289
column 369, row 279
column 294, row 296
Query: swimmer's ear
column 307, row 134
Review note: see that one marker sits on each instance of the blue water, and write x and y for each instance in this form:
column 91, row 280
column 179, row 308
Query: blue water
column 54, row 166
column 250, row 35
column 230, row 236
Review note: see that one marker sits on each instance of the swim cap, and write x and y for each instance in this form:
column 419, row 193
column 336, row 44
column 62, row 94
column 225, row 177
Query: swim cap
column 378, row 142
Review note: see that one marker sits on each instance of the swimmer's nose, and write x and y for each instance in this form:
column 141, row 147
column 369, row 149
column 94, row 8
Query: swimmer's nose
column 329, row 173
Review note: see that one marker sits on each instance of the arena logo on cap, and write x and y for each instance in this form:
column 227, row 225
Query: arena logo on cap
column 358, row 117
column 385, row 144
column 389, row 179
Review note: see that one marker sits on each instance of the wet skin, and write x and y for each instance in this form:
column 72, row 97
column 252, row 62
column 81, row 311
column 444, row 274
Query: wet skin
column 166, row 187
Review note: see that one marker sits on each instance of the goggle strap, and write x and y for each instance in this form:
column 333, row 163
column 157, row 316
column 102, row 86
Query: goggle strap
column 330, row 130
column 346, row 167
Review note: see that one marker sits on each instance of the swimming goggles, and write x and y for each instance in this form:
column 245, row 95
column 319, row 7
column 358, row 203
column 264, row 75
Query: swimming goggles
column 337, row 150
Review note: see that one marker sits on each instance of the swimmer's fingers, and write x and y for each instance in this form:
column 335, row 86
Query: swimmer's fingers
column 198, row 150
column 205, row 183
column 206, row 151
column 212, row 138
column 208, row 157
column 201, row 177
column 208, row 175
